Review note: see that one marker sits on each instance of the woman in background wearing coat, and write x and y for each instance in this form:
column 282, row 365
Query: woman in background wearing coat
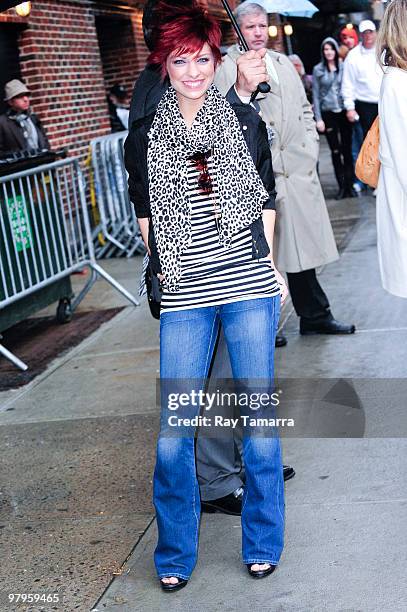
column 331, row 117
column 392, row 188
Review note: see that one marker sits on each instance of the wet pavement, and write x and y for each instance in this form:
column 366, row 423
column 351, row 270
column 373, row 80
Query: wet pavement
column 77, row 454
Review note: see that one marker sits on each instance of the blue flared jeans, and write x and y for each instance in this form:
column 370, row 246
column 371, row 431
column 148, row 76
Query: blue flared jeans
column 187, row 340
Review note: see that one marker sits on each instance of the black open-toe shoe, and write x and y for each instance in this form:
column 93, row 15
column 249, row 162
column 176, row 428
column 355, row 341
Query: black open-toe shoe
column 173, row 587
column 260, row 573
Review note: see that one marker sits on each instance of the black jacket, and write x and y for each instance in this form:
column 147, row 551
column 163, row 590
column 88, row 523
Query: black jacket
column 12, row 137
column 147, row 92
column 255, row 134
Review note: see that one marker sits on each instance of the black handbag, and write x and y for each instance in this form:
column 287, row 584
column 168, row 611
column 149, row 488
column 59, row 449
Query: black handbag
column 154, row 292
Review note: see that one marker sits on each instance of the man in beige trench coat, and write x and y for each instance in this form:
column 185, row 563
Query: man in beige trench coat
column 303, row 238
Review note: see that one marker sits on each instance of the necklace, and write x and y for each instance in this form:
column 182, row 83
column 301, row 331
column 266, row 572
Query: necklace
column 205, row 184
column 217, row 213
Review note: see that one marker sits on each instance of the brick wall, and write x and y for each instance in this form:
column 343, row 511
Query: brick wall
column 11, row 17
column 68, row 67
column 61, row 65
column 142, row 50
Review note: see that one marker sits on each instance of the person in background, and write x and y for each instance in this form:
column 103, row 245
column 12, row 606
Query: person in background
column 349, row 39
column 362, row 78
column 305, row 78
column 304, row 238
column 391, row 207
column 331, row 117
column 21, row 130
column 118, row 108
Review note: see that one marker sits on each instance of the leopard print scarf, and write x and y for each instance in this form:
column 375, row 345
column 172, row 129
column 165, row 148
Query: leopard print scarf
column 241, row 192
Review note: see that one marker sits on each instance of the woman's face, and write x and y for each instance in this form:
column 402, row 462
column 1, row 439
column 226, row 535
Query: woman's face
column 348, row 41
column 191, row 74
column 329, row 52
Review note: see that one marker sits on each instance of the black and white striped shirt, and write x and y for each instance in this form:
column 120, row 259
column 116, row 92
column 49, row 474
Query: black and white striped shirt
column 212, row 274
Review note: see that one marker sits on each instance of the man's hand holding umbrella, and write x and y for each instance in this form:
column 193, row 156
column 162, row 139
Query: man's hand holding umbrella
column 251, row 70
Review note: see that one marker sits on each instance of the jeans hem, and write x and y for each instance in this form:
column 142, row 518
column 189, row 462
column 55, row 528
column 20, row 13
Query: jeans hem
column 173, row 575
column 260, row 561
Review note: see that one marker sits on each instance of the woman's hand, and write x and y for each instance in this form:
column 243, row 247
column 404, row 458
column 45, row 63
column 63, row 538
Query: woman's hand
column 282, row 284
column 321, row 126
column 281, row 281
column 269, row 217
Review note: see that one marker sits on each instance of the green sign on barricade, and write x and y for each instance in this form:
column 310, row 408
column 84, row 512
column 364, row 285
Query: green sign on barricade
column 19, row 222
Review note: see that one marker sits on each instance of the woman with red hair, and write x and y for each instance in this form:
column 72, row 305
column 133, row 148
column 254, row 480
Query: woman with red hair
column 202, row 183
column 349, row 37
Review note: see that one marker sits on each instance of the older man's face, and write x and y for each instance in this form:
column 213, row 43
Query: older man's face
column 20, row 103
column 255, row 30
column 369, row 39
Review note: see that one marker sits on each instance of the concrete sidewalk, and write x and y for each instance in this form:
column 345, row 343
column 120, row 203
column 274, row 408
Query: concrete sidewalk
column 346, row 541
column 77, row 452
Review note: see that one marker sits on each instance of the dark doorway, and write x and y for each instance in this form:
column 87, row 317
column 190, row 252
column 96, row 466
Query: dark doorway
column 9, row 58
column 117, row 51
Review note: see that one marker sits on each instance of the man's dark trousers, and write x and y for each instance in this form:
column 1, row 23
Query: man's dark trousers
column 367, row 112
column 308, row 297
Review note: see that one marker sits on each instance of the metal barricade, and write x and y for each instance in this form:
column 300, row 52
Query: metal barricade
column 45, row 235
column 118, row 232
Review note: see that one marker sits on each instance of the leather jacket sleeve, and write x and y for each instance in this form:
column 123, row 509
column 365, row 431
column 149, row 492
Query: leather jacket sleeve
column 264, row 166
column 255, row 133
column 135, row 160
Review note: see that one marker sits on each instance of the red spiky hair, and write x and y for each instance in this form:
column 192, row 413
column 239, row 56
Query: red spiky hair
column 184, row 29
